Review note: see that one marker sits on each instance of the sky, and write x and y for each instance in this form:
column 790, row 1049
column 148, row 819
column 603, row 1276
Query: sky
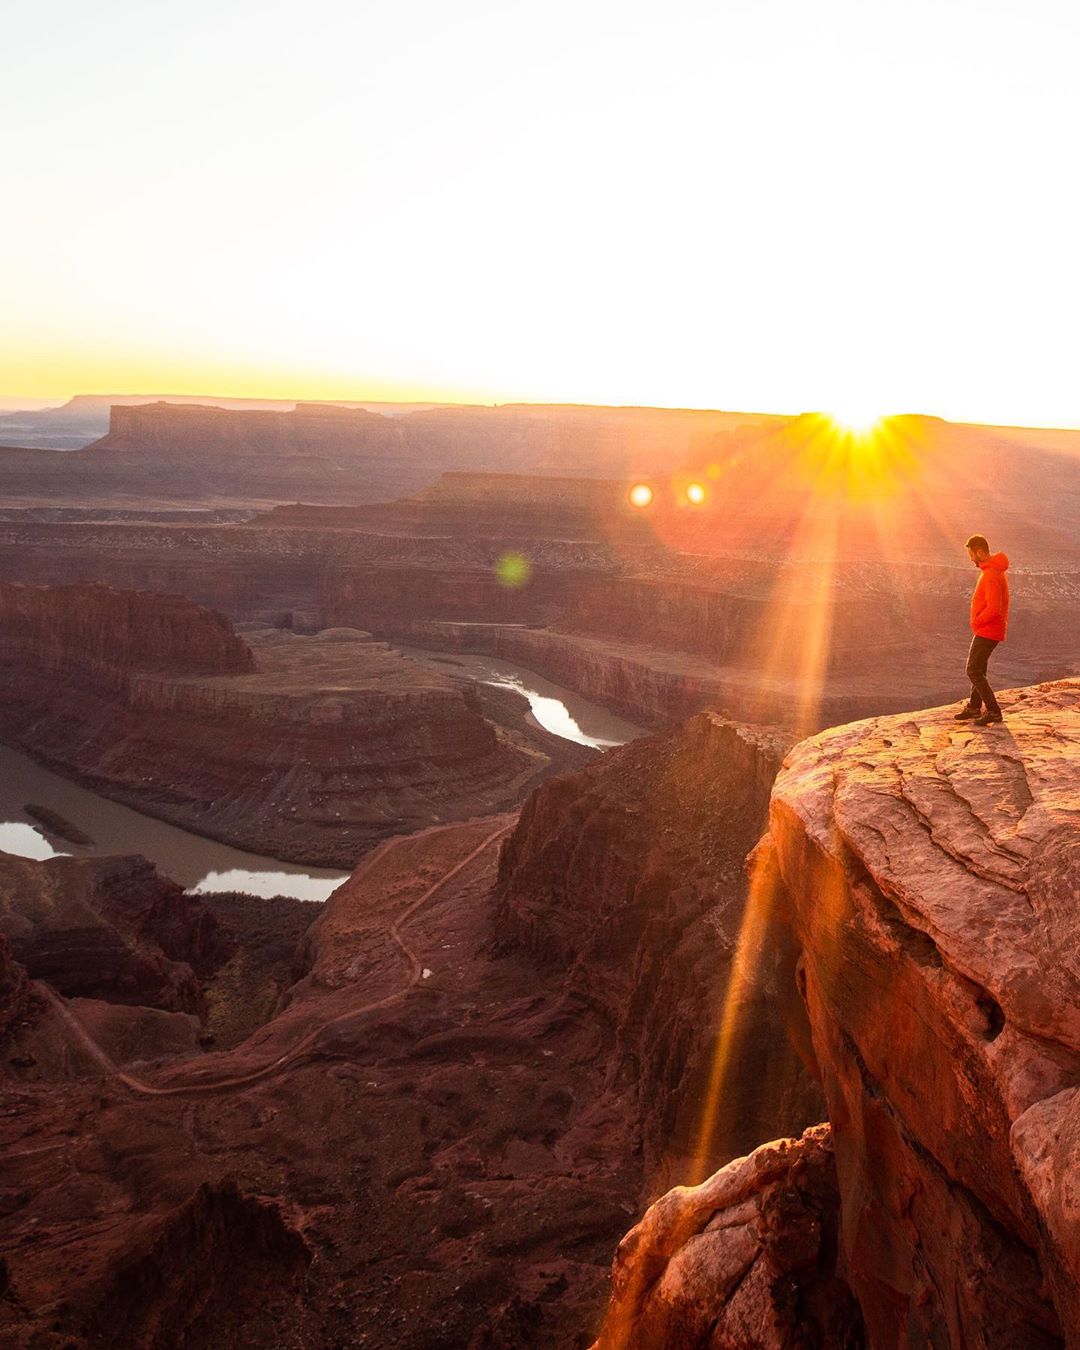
column 771, row 205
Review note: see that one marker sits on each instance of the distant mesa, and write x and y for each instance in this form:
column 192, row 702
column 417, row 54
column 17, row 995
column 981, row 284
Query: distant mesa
column 85, row 417
column 307, row 428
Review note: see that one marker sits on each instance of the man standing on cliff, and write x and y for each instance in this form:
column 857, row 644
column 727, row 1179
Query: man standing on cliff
column 989, row 618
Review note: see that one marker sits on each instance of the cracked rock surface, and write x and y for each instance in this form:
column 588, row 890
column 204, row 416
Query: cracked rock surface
column 932, row 874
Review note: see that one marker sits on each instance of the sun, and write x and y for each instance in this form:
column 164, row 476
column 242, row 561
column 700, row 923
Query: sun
column 856, row 417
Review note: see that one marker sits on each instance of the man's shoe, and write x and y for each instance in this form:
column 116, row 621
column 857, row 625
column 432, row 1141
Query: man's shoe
column 988, row 718
column 967, row 714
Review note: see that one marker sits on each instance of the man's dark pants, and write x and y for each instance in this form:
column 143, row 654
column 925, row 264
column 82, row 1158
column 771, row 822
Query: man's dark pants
column 978, row 655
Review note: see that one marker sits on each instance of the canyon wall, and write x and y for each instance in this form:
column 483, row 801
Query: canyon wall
column 933, row 875
column 928, row 875
column 657, row 687
column 783, row 486
column 113, row 633
column 167, row 452
column 305, row 748
column 628, row 876
column 634, row 618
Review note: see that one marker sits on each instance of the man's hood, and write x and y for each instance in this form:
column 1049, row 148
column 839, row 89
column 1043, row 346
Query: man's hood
column 997, row 561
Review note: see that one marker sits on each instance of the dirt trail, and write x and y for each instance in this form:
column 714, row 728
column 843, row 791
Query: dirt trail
column 293, row 1055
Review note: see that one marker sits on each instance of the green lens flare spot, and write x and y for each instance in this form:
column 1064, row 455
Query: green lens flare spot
column 513, row 569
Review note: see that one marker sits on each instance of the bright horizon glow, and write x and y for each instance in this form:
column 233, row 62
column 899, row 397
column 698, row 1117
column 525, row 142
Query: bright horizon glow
column 856, row 419
column 766, row 207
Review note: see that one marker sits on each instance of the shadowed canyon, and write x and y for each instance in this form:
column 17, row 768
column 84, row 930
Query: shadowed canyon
column 760, row 1029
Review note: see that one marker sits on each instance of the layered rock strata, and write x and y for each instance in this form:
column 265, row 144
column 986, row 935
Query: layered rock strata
column 457, row 1104
column 629, row 878
column 657, row 686
column 658, row 614
column 932, row 872
column 100, row 633
column 306, row 748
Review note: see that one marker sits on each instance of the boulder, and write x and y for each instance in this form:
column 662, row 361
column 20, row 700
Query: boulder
column 746, row 1259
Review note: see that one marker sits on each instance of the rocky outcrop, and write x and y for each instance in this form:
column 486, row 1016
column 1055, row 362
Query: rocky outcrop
column 109, row 928
column 211, row 1270
column 629, row 877
column 932, row 873
column 105, row 634
column 746, row 1259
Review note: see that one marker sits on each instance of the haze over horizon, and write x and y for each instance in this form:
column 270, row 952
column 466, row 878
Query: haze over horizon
column 763, row 207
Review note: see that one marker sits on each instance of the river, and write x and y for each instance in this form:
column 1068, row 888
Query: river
column 201, row 864
column 197, row 863
column 558, row 710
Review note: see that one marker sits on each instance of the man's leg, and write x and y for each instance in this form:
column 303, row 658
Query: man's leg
column 973, row 662
column 978, row 656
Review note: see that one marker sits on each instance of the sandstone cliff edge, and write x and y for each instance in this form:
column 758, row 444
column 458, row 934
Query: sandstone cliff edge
column 930, row 876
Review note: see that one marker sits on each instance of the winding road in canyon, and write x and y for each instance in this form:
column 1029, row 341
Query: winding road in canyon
column 293, row 1055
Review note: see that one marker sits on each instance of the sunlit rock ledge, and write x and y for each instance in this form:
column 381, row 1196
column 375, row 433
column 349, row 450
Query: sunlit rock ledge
column 930, row 872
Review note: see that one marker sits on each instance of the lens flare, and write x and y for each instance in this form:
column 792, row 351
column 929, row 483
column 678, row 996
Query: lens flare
column 640, row 495
column 695, row 494
column 513, row 570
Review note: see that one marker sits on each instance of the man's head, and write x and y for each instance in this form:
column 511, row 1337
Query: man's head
column 978, row 549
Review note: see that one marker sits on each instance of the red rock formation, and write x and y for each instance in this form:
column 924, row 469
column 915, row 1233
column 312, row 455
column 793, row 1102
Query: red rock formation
column 932, row 874
column 220, row 1269
column 109, row 634
column 313, row 749
column 629, row 878
column 109, row 928
column 433, row 1142
column 660, row 613
column 746, row 1259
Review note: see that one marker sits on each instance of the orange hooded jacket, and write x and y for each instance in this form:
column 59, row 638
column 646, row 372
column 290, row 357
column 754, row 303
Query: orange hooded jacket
column 990, row 603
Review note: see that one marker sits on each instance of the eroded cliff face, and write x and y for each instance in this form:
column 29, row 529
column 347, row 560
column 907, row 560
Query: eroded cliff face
column 630, row 877
column 97, row 631
column 304, row 748
column 933, row 875
column 928, row 874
